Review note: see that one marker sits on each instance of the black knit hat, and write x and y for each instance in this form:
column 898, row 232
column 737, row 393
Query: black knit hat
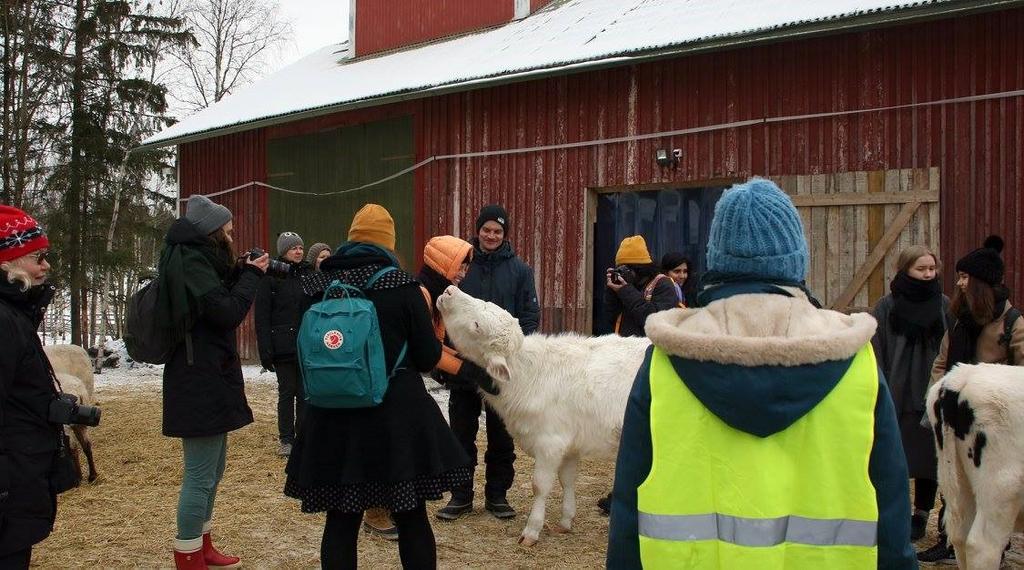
column 985, row 263
column 492, row 213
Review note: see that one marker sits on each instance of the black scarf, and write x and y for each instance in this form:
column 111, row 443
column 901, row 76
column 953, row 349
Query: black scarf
column 917, row 314
column 433, row 281
column 963, row 337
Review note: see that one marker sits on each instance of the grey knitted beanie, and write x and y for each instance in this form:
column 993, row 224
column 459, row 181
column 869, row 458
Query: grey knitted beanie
column 206, row 215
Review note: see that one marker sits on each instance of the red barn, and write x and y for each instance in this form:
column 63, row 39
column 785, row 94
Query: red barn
column 890, row 123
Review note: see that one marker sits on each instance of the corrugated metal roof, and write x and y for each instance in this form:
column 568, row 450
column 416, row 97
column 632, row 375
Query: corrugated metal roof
column 566, row 34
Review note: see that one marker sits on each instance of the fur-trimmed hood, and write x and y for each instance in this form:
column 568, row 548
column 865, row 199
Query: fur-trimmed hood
column 761, row 330
column 760, row 362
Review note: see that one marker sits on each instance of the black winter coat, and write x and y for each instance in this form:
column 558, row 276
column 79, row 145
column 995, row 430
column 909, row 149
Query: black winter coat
column 500, row 277
column 280, row 304
column 368, row 455
column 629, row 302
column 28, row 442
column 208, row 397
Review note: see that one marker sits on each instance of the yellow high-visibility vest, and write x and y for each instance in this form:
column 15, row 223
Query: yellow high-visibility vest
column 718, row 497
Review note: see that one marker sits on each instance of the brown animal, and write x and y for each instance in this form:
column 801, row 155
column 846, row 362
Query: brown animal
column 74, row 372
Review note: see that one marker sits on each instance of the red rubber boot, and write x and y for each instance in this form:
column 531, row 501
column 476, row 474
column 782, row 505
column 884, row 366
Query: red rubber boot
column 188, row 555
column 214, row 558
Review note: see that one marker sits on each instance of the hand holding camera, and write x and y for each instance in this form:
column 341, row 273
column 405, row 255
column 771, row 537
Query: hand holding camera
column 261, row 260
column 619, row 277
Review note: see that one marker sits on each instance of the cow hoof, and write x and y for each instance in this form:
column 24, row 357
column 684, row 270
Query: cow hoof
column 527, row 541
column 556, row 528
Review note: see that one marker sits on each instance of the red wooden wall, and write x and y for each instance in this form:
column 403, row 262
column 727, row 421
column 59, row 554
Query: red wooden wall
column 388, row 24
column 216, row 164
column 978, row 146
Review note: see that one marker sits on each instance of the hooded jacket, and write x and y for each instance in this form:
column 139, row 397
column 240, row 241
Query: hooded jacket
column 208, row 396
column 28, row 442
column 442, row 258
column 760, row 362
column 500, row 277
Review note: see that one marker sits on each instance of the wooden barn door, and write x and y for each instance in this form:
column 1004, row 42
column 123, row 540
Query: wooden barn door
column 857, row 223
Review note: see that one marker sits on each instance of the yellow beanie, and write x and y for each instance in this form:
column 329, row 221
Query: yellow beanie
column 373, row 224
column 633, row 251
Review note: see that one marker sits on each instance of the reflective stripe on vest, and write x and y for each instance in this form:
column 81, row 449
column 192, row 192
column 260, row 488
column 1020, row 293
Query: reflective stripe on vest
column 718, row 497
column 759, row 532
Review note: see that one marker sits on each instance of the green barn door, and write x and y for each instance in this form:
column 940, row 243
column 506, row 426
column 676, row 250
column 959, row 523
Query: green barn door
column 335, row 160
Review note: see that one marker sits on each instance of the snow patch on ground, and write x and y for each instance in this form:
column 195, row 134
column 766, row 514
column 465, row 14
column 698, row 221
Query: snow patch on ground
column 134, row 376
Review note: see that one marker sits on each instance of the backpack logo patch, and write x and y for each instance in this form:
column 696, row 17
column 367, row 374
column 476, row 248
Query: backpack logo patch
column 334, row 339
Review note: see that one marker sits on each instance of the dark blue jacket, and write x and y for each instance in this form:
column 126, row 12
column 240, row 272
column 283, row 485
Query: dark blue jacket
column 500, row 277
column 760, row 400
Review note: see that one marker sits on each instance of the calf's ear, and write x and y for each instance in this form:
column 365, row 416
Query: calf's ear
column 497, row 368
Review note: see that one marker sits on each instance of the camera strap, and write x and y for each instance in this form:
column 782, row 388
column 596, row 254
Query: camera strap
column 189, row 355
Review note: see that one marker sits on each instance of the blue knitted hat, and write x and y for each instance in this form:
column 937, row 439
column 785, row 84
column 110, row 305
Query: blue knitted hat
column 757, row 231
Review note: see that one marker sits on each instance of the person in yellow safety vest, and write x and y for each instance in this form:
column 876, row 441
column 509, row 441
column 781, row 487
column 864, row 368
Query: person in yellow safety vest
column 759, row 432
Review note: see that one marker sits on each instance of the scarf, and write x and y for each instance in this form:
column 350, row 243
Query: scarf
column 917, row 313
column 963, row 337
column 433, row 281
column 191, row 266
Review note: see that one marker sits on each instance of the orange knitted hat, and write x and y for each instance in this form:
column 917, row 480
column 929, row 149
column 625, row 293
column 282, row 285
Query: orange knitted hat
column 373, row 224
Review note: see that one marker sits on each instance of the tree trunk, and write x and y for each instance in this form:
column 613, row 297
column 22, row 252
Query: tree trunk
column 73, row 198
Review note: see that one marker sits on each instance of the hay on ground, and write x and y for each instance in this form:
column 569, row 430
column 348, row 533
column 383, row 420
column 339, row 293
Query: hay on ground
column 127, row 518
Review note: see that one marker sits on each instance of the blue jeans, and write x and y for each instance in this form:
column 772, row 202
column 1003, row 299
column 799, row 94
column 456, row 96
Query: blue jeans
column 204, row 466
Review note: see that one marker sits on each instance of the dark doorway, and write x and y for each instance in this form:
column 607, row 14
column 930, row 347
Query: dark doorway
column 669, row 220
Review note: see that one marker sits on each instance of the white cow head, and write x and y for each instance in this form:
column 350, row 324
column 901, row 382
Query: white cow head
column 482, row 332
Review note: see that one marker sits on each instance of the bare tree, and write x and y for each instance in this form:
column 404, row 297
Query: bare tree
column 236, row 39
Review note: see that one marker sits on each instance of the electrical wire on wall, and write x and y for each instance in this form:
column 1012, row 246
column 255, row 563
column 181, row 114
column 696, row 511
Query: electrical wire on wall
column 624, row 139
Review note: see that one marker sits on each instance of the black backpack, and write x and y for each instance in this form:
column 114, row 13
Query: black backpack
column 1011, row 318
column 144, row 337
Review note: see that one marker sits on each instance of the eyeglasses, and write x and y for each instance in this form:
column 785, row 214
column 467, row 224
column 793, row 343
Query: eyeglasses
column 39, row 257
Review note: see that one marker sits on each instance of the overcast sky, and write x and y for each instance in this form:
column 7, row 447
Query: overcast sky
column 317, row 23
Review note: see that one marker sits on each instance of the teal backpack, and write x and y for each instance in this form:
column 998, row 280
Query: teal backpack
column 340, row 350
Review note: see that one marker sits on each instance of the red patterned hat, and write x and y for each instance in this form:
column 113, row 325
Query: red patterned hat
column 19, row 234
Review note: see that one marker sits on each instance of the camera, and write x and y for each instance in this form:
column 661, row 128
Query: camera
column 66, row 410
column 623, row 272
column 276, row 267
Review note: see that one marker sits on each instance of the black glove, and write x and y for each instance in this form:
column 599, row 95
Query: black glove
column 474, row 376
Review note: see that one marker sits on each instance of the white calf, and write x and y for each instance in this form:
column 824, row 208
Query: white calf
column 73, row 368
column 562, row 397
column 977, row 414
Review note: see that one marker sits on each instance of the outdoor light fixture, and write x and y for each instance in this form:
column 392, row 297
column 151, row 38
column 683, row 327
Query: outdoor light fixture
column 665, row 157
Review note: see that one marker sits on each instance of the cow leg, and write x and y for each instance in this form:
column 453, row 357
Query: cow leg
column 997, row 510
column 543, row 481
column 567, row 476
column 82, row 435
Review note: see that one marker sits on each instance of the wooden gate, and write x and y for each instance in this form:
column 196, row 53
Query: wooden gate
column 857, row 223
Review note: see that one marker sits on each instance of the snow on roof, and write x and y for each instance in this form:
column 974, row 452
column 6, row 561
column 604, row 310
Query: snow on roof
column 564, row 35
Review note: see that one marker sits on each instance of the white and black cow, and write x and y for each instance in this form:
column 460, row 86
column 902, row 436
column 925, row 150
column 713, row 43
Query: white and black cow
column 977, row 414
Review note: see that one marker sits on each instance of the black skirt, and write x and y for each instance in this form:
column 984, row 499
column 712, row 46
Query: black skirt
column 393, row 455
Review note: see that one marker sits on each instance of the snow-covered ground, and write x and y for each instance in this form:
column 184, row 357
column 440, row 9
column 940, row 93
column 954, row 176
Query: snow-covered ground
column 147, row 377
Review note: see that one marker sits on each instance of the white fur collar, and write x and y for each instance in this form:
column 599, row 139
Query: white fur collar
column 761, row 330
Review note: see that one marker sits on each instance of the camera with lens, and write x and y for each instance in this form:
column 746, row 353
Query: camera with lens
column 276, row 267
column 623, row 272
column 66, row 410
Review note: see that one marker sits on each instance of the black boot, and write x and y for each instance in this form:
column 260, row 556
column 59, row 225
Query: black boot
column 499, row 507
column 457, row 506
column 605, row 504
column 941, row 553
column 918, row 524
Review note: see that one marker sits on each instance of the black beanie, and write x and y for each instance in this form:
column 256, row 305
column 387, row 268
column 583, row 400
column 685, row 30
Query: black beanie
column 492, row 213
column 674, row 259
column 985, row 263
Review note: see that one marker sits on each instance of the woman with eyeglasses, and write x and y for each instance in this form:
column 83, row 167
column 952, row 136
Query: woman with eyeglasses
column 31, row 448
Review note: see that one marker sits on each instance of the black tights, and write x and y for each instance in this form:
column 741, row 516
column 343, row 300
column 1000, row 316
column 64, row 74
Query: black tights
column 416, row 545
column 924, row 493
